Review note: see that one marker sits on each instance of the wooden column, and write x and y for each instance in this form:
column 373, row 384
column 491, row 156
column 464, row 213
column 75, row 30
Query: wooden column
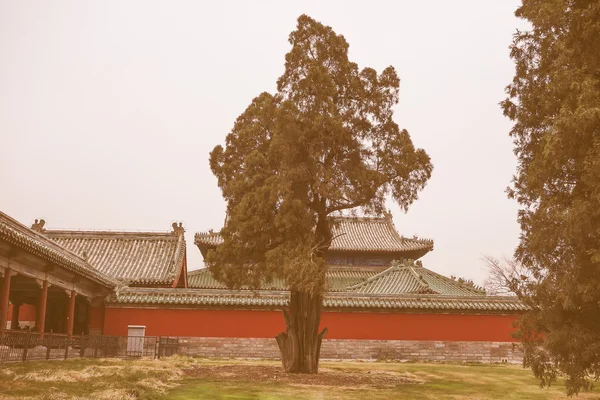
column 41, row 308
column 71, row 313
column 4, row 292
column 14, row 322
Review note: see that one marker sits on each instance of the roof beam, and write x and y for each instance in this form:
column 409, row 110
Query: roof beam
column 66, row 283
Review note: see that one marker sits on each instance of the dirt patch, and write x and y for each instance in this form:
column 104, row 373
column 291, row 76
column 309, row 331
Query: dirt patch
column 326, row 376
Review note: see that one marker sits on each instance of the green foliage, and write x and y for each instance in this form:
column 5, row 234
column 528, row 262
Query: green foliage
column 554, row 100
column 323, row 143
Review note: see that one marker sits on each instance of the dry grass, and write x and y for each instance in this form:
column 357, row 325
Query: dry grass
column 101, row 379
column 327, row 377
column 180, row 378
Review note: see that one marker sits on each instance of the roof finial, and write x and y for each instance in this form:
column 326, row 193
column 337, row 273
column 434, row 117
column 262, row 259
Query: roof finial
column 38, row 225
column 387, row 214
column 178, row 229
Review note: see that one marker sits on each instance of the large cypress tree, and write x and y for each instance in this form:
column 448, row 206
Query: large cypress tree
column 554, row 100
column 323, row 143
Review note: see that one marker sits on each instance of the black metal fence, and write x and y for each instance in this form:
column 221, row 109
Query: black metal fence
column 25, row 345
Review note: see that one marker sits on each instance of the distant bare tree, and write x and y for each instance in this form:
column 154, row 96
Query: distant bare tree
column 506, row 278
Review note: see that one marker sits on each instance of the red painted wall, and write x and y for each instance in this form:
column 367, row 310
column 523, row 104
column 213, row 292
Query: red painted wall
column 179, row 322
column 263, row 324
column 450, row 327
column 96, row 320
column 27, row 313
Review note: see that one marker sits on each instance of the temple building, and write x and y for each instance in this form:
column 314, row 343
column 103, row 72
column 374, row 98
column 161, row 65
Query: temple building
column 381, row 301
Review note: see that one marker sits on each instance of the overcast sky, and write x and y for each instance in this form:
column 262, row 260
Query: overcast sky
column 108, row 109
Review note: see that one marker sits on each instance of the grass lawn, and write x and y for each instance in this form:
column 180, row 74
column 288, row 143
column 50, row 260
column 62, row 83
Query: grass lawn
column 181, row 378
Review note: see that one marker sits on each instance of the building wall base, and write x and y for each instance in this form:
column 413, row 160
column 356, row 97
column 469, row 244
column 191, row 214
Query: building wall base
column 369, row 350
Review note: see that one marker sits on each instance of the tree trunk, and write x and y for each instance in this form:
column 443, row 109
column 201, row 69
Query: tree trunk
column 300, row 345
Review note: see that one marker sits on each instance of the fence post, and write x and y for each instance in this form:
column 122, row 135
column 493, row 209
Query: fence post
column 67, row 347
column 103, row 347
column 96, row 346
column 26, row 345
column 159, row 346
column 48, row 345
column 82, row 346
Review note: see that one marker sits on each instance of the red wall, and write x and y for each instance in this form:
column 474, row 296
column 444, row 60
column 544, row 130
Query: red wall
column 263, row 324
column 96, row 320
column 26, row 312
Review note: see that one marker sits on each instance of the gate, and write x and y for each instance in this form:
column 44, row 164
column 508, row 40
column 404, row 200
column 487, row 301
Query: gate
column 167, row 346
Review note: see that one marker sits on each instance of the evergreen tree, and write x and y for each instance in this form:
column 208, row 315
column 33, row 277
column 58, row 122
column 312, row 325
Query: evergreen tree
column 323, row 143
column 554, row 100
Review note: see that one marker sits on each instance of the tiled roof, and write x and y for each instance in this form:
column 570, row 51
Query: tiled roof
column 31, row 241
column 338, row 280
column 405, row 277
column 401, row 278
column 139, row 258
column 363, row 234
column 394, row 280
column 278, row 299
column 147, row 296
column 203, row 279
column 374, row 235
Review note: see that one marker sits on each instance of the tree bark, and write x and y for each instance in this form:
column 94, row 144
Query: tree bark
column 300, row 345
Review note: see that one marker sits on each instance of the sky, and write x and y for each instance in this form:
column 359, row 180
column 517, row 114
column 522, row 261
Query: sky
column 109, row 109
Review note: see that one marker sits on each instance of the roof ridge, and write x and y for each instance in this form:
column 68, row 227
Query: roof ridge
column 106, row 232
column 416, row 239
column 375, row 277
column 207, row 233
column 178, row 256
column 390, row 224
column 210, row 232
column 131, row 289
column 196, row 271
column 111, row 233
column 359, row 219
column 419, row 278
column 456, row 282
column 276, row 299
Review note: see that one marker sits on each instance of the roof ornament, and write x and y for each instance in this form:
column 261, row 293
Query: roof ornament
column 84, row 255
column 388, row 214
column 178, row 229
column 467, row 283
column 38, row 225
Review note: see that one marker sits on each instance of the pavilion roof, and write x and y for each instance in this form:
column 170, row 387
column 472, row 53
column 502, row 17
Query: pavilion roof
column 36, row 243
column 404, row 277
column 369, row 234
column 353, row 234
column 135, row 258
column 408, row 278
column 278, row 299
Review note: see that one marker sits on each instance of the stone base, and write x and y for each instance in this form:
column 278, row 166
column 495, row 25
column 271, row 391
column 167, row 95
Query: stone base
column 368, row 350
column 38, row 349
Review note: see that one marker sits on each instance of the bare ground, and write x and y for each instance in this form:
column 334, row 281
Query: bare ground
column 325, row 377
